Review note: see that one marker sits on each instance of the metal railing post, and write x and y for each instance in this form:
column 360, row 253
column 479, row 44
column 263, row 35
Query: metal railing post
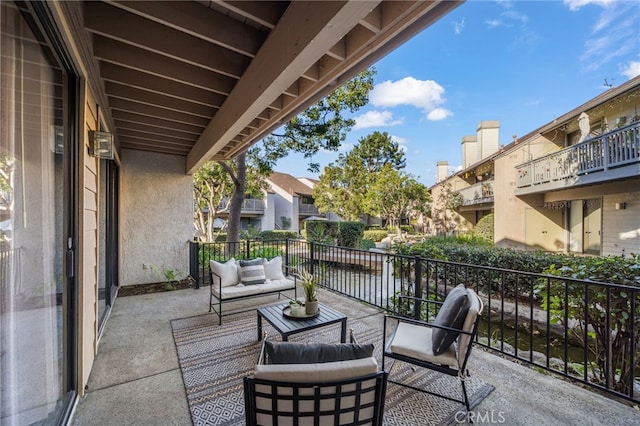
column 417, row 286
column 193, row 262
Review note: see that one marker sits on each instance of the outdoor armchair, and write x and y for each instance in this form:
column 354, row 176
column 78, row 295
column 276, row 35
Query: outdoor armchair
column 443, row 345
column 348, row 389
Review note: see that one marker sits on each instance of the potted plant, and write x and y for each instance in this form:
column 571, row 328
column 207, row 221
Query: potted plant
column 309, row 285
column 297, row 308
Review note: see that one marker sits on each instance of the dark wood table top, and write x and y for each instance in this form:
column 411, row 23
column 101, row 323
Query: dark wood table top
column 273, row 315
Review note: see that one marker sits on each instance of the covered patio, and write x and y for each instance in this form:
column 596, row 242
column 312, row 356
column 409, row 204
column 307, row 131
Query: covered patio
column 136, row 378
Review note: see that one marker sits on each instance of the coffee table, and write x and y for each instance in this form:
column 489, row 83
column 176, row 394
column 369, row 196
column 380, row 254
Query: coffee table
column 286, row 327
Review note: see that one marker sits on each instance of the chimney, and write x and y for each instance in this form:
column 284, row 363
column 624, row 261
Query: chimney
column 488, row 138
column 442, row 170
column 469, row 151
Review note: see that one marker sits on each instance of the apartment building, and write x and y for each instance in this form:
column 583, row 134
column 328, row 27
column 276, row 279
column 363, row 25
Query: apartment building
column 572, row 185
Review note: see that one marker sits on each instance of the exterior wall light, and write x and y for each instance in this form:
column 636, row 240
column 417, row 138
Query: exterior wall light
column 101, row 145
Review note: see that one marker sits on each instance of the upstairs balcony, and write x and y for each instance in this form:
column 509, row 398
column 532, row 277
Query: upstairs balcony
column 250, row 206
column 305, row 209
column 610, row 156
column 478, row 193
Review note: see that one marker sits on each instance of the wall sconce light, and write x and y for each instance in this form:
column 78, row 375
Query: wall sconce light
column 101, row 145
column 621, row 206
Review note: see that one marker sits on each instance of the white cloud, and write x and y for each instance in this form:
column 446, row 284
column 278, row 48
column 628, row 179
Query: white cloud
column 426, row 95
column 631, row 70
column 439, row 114
column 509, row 18
column 574, row 5
column 376, row 119
column 493, row 23
column 458, row 27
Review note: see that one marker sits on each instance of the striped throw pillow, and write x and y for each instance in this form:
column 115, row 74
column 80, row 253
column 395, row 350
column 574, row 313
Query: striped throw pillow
column 252, row 272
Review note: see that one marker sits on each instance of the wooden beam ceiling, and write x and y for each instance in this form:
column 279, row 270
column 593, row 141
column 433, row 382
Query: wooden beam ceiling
column 207, row 79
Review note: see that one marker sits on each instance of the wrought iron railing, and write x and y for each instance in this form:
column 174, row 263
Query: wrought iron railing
column 617, row 148
column 584, row 330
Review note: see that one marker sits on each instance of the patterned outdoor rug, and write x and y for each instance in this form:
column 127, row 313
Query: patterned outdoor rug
column 214, row 359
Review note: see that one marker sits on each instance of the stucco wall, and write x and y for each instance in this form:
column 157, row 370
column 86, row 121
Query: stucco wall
column 621, row 227
column 156, row 216
column 509, row 210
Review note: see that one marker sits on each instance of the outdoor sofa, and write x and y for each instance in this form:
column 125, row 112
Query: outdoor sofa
column 235, row 280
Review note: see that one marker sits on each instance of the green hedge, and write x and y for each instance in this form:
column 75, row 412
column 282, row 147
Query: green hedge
column 279, row 235
column 376, row 235
column 484, row 228
column 350, row 234
column 618, row 269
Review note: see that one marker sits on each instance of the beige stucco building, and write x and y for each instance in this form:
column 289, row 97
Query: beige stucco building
column 572, row 185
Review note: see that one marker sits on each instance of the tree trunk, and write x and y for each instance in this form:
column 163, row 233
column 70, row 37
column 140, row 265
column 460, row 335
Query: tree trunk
column 235, row 206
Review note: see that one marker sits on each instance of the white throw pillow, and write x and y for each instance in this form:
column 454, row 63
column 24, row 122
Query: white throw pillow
column 227, row 271
column 273, row 268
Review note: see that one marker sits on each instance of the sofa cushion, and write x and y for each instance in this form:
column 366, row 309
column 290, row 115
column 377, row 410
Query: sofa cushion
column 303, row 353
column 226, row 271
column 252, row 272
column 273, row 268
column 239, row 290
column 452, row 314
column 275, row 285
column 317, row 372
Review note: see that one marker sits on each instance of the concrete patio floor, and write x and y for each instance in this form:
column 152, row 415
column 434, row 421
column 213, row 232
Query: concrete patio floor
column 136, row 378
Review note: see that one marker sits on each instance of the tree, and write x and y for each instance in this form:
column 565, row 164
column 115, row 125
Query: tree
column 333, row 193
column 395, row 195
column 448, row 201
column 214, row 184
column 344, row 183
column 320, row 127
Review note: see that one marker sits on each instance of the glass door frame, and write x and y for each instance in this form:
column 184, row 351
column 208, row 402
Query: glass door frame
column 72, row 110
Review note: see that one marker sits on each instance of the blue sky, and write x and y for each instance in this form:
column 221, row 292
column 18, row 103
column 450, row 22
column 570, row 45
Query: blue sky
column 520, row 62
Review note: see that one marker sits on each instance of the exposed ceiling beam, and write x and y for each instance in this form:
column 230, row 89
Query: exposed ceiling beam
column 304, row 33
column 133, row 78
column 201, row 22
column 118, row 24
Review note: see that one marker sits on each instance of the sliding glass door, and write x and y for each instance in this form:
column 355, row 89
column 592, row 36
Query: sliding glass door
column 37, row 296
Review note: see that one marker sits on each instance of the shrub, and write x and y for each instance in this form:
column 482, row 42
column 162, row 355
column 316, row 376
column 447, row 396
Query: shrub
column 408, row 229
column 375, row 235
column 321, row 231
column 484, row 228
column 350, row 234
column 366, row 244
column 279, row 235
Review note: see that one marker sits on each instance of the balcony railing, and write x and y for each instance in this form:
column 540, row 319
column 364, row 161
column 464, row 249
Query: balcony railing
column 249, row 205
column 309, row 209
column 478, row 193
column 614, row 149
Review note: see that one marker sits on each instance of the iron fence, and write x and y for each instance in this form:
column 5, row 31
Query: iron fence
column 583, row 330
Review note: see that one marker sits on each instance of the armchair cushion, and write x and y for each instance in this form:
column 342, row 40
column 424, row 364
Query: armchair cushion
column 452, row 314
column 252, row 272
column 301, row 353
column 317, row 372
column 226, row 271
